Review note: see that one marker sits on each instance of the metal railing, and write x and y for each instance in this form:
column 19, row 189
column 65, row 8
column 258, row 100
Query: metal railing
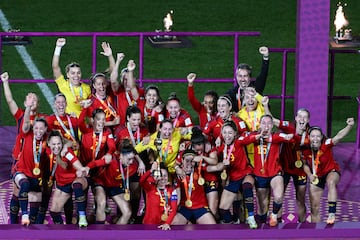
column 141, row 35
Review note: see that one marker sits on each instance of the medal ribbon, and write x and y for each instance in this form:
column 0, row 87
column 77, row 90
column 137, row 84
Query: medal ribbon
column 98, row 144
column 132, row 135
column 227, row 155
column 130, row 102
column 52, row 168
column 73, row 92
column 166, row 199
column 66, row 130
column 164, row 156
column 37, row 153
column 253, row 123
column 264, row 158
column 124, row 180
column 239, row 99
column 316, row 162
column 107, row 106
column 188, row 187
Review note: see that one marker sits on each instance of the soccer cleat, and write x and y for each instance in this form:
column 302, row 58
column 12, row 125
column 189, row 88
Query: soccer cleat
column 82, row 221
column 273, row 220
column 25, row 220
column 251, row 222
column 331, row 218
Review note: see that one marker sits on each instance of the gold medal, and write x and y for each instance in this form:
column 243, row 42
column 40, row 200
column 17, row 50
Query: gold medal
column 164, row 217
column 201, row 181
column 127, row 195
column 298, row 163
column 223, row 175
column 262, row 170
column 50, row 183
column 36, row 171
column 315, row 181
column 188, row 203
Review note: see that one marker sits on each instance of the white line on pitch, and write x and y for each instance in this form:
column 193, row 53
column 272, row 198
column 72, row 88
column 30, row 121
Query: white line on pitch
column 25, row 56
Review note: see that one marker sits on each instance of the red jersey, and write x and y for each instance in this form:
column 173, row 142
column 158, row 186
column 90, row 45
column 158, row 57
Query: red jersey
column 29, row 157
column 110, row 175
column 63, row 175
column 151, row 117
column 93, row 148
column 239, row 163
column 124, row 100
column 19, row 115
column 213, row 129
column 106, row 104
column 182, row 120
column 124, row 132
column 67, row 125
column 197, row 196
column 267, row 164
column 158, row 201
column 204, row 116
column 325, row 159
column 291, row 151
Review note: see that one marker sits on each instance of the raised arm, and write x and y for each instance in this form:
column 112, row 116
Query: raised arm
column 195, row 103
column 115, row 84
column 261, row 79
column 131, row 80
column 29, row 102
column 60, row 42
column 8, row 95
column 343, row 132
column 107, row 51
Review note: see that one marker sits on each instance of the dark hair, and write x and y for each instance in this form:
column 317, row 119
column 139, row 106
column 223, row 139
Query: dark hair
column 55, row 133
column 166, row 120
column 41, row 119
column 96, row 111
column 227, row 98
column 173, row 97
column 244, row 66
column 231, row 124
column 132, row 110
column 126, row 146
column 197, row 137
column 303, row 110
column 188, row 151
column 94, row 76
column 215, row 97
column 59, row 95
column 266, row 115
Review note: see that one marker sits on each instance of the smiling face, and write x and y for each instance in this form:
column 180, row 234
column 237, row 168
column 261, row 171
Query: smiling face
column 99, row 84
column 99, row 122
column 315, row 138
column 188, row 163
column 173, row 107
column 39, row 130
column 228, row 134
column 266, row 125
column 209, row 103
column 151, row 98
column 302, row 119
column 223, row 108
column 163, row 179
column 134, row 120
column 250, row 102
column 55, row 144
column 243, row 78
column 74, row 75
column 166, row 130
column 60, row 105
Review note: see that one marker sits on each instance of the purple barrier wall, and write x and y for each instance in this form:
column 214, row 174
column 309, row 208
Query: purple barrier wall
column 312, row 53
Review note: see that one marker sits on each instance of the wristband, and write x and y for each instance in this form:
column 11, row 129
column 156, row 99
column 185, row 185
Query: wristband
column 266, row 57
column 57, row 51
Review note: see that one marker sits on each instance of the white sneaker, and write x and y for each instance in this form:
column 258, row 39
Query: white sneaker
column 251, row 222
column 82, row 221
column 273, row 220
column 25, row 220
column 331, row 218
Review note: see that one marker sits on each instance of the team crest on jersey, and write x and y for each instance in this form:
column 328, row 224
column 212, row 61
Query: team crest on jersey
column 242, row 125
column 174, row 195
column 69, row 156
column 285, row 123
